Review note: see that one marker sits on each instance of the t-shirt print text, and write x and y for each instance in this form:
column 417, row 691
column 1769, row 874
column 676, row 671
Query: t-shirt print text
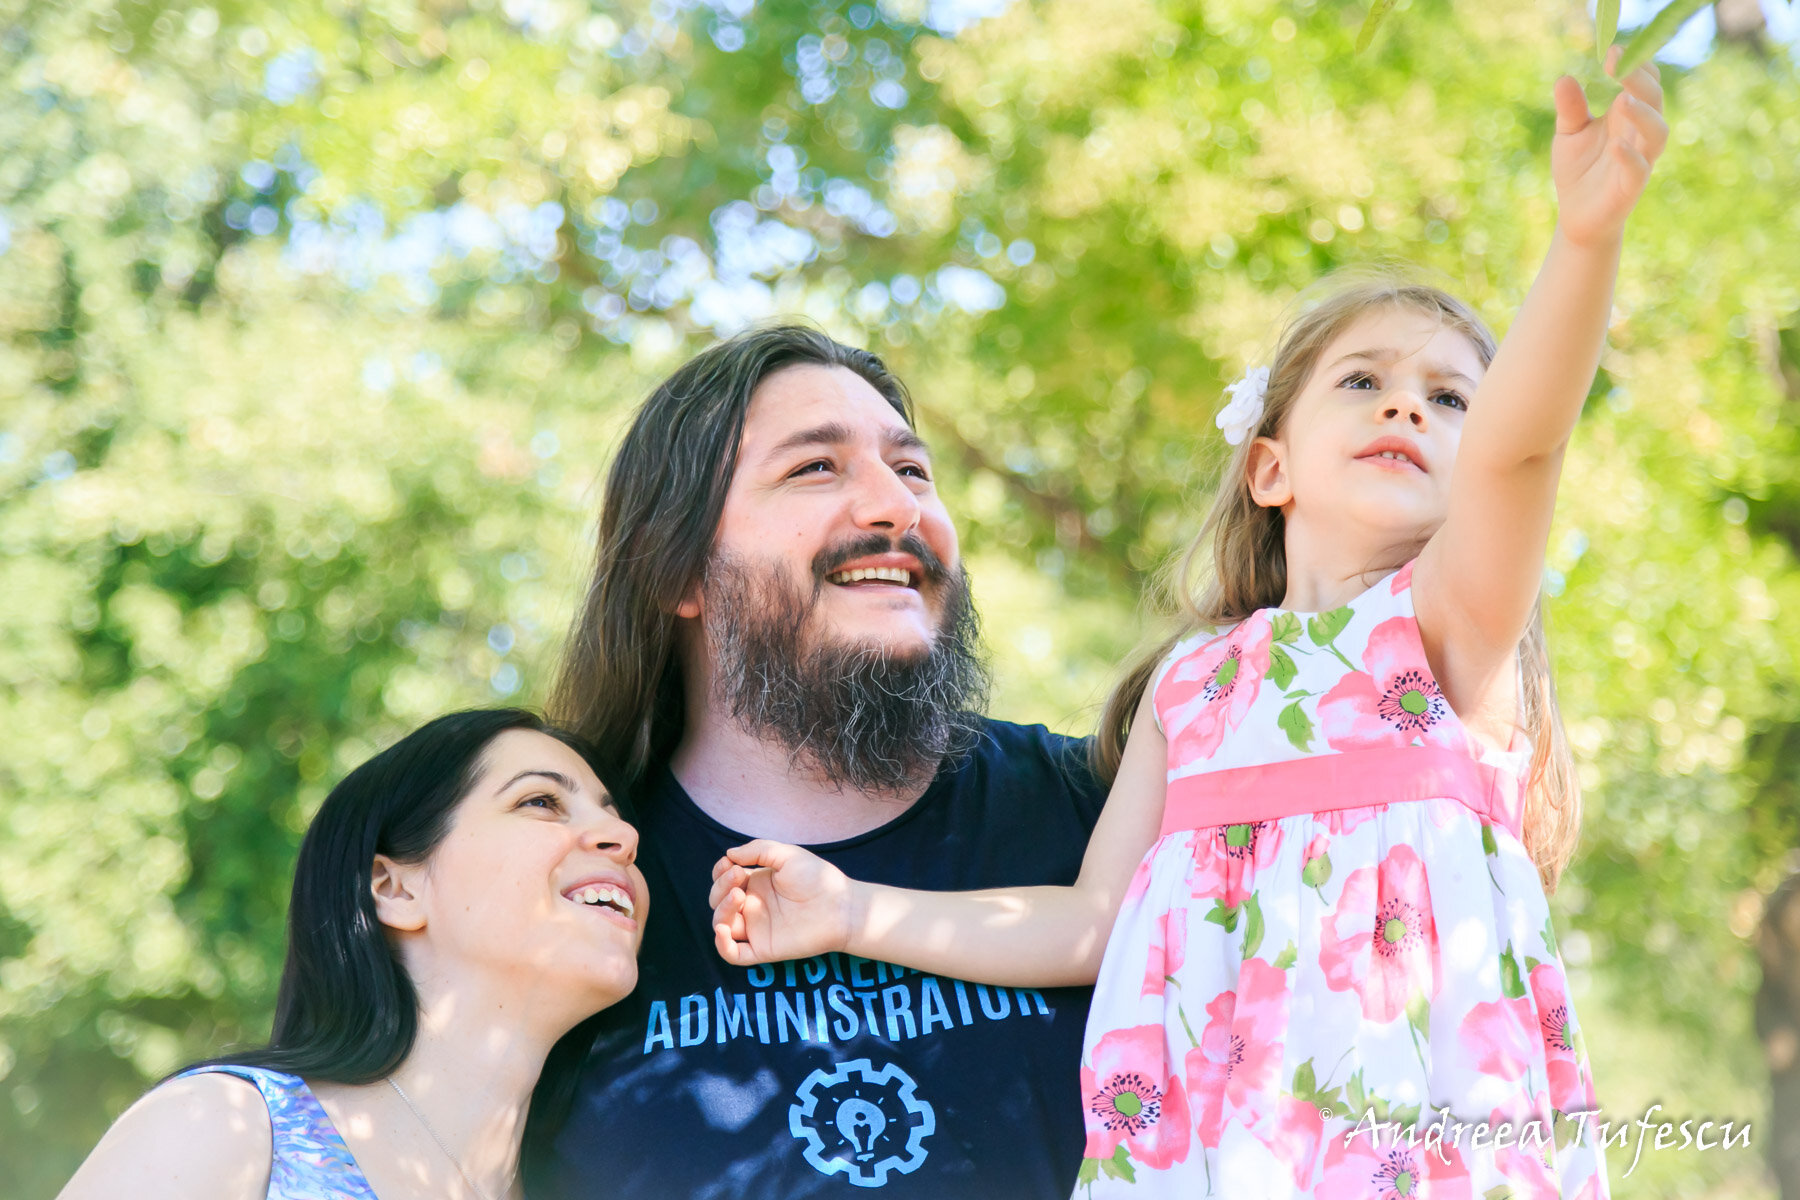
column 833, row 998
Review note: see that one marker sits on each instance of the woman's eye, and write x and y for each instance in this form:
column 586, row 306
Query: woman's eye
column 1452, row 400
column 913, row 469
column 812, row 468
column 540, row 800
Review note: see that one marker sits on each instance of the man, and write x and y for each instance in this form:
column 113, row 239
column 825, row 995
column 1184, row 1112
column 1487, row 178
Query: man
column 778, row 642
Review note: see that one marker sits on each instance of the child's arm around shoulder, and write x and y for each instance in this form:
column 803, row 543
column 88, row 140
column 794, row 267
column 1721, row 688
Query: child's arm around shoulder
column 773, row 901
column 202, row 1137
column 1478, row 578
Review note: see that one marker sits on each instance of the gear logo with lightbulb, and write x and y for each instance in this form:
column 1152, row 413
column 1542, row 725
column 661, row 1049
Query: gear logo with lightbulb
column 861, row 1122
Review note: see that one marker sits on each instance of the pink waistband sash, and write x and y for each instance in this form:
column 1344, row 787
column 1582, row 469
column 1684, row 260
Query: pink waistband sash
column 1329, row 782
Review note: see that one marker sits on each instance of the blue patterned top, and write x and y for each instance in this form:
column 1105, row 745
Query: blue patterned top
column 309, row 1159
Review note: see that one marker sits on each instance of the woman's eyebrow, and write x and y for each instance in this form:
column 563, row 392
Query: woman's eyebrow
column 556, row 777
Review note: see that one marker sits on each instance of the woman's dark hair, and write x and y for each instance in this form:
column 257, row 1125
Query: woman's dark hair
column 346, row 1010
column 620, row 682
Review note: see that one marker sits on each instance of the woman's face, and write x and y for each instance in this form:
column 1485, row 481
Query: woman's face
column 534, row 885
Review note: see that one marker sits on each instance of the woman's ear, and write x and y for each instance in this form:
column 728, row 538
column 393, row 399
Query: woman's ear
column 1266, row 472
column 395, row 887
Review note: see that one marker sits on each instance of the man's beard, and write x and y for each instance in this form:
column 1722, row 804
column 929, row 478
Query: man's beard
column 855, row 714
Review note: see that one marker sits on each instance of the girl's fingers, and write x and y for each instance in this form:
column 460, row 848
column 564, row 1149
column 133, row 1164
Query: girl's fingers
column 760, row 853
column 1634, row 163
column 1645, row 125
column 1571, row 106
column 733, row 877
column 1645, row 87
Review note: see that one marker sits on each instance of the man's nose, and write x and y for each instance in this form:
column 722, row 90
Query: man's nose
column 881, row 500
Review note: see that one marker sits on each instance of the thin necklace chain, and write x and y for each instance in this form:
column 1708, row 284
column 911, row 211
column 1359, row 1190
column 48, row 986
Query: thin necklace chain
column 454, row 1161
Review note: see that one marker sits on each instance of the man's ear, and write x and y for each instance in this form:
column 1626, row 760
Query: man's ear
column 395, row 887
column 1267, row 473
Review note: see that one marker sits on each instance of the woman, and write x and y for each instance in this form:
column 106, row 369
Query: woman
column 462, row 901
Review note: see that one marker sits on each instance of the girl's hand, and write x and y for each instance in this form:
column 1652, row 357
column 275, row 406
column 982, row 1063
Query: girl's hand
column 1601, row 164
column 772, row 901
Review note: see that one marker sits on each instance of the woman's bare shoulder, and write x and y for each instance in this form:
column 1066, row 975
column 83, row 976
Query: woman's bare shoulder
column 200, row 1137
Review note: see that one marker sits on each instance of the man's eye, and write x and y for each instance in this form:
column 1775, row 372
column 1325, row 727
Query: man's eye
column 1452, row 400
column 915, row 470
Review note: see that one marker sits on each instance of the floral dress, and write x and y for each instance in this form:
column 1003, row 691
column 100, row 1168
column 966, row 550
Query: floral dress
column 1334, row 974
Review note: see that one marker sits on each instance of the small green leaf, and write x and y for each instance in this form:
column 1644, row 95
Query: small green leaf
column 1287, row 958
column 1281, row 667
column 1503, row 1192
column 1353, row 1092
column 1488, row 843
column 1222, row 916
column 1652, row 37
column 1119, row 1165
column 1090, row 1171
column 1377, row 10
column 1512, row 985
column 1324, row 628
column 1406, row 1115
column 1531, row 964
column 1550, row 938
column 1253, row 925
column 1606, row 26
column 1285, row 628
column 1306, row 1081
column 1297, row 725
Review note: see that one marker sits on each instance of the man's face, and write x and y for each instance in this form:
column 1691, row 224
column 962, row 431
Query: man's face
column 833, row 490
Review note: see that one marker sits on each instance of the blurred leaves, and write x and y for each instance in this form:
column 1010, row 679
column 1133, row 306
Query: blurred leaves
column 317, row 323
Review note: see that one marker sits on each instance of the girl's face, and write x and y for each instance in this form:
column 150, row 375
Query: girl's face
column 1372, row 437
column 535, row 886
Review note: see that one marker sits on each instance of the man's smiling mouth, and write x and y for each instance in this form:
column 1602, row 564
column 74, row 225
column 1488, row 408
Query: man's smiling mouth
column 899, row 575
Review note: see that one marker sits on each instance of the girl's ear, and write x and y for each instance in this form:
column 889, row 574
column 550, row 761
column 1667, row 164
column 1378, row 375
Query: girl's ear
column 396, row 889
column 1267, row 475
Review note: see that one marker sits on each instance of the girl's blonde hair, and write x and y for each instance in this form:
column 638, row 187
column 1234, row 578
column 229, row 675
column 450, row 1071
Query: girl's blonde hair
column 1246, row 545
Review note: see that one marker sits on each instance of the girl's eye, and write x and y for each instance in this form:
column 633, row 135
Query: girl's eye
column 1452, row 400
column 1359, row 379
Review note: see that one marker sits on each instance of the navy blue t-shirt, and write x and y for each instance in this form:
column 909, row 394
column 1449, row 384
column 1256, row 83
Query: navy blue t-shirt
column 838, row 1076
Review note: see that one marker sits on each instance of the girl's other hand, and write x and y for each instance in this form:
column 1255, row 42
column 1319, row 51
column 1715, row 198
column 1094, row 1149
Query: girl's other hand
column 772, row 901
column 1600, row 164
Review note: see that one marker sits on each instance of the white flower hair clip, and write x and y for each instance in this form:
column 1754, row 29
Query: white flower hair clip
column 1240, row 418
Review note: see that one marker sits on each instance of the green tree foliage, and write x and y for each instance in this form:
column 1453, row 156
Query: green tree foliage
column 317, row 323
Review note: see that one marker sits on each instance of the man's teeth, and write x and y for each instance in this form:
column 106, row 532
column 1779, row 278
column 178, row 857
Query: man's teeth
column 898, row 575
column 605, row 893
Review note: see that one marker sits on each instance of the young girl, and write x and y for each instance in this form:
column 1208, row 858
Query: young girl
column 1338, row 931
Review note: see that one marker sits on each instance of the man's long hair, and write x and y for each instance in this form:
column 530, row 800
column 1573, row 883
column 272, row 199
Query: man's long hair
column 620, row 685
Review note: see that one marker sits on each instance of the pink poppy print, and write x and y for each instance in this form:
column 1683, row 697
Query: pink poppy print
column 1394, row 701
column 1128, row 1099
column 1571, row 1088
column 1367, row 1167
column 1211, row 689
column 1227, row 859
column 1168, row 950
column 1496, row 1036
column 1381, row 939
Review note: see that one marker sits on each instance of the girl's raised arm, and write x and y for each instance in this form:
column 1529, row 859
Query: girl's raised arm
column 1480, row 573
column 773, row 901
